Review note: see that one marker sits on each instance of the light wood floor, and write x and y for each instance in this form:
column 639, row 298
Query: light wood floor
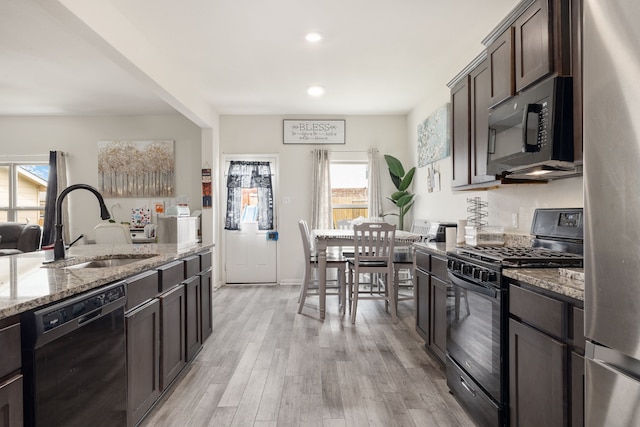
column 267, row 366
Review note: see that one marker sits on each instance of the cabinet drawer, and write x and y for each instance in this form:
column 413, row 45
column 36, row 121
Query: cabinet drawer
column 10, row 355
column 205, row 261
column 423, row 261
column 439, row 267
column 170, row 275
column 141, row 288
column 578, row 328
column 537, row 310
column 191, row 266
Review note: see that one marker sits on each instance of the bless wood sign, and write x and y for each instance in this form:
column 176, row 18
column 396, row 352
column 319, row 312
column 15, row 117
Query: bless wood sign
column 313, row 131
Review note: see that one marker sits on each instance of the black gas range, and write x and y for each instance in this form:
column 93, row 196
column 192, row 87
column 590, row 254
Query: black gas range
column 477, row 312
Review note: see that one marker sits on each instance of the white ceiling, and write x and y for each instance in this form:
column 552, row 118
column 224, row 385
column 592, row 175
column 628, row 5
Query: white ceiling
column 246, row 56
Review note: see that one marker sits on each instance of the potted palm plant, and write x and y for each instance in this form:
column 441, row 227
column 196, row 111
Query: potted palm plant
column 402, row 181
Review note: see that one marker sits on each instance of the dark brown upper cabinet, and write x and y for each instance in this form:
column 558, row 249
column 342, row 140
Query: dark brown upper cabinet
column 533, row 51
column 501, row 71
column 461, row 132
column 479, row 114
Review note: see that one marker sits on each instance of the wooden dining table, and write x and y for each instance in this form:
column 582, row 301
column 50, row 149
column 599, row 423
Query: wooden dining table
column 325, row 238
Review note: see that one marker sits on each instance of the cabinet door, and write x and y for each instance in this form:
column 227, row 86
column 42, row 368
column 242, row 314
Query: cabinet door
column 206, row 310
column 422, row 304
column 11, row 402
column 480, row 90
column 501, row 70
column 533, row 44
column 172, row 335
column 193, row 317
column 11, row 354
column 537, row 373
column 438, row 331
column 143, row 360
column 460, row 133
column 577, row 390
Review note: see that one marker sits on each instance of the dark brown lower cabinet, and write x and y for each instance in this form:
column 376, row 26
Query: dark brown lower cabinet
column 206, row 312
column 438, row 331
column 172, row 334
column 430, row 288
column 537, row 373
column 193, row 316
column 577, row 390
column 143, row 359
column 421, row 288
column 11, row 402
column 546, row 363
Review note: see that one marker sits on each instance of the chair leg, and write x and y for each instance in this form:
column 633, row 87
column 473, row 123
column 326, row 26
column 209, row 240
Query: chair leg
column 350, row 290
column 393, row 302
column 355, row 292
column 342, row 288
column 354, row 307
column 303, row 291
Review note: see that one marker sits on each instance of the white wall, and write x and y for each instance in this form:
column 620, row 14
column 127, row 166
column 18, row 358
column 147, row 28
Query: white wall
column 77, row 136
column 450, row 205
column 263, row 135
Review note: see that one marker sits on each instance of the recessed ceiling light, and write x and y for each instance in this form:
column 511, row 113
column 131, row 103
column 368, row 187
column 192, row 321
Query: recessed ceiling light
column 316, row 90
column 313, row 37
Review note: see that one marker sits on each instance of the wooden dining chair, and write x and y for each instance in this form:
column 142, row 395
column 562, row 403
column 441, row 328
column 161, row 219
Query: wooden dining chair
column 374, row 242
column 310, row 285
column 403, row 264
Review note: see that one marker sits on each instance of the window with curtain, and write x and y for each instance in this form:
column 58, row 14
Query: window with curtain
column 349, row 190
column 23, row 190
column 249, row 195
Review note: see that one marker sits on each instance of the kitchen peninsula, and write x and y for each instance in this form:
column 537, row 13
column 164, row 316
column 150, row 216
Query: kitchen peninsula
column 28, row 283
column 138, row 312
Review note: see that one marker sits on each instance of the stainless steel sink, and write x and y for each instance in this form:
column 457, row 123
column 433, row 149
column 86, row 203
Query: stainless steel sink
column 103, row 263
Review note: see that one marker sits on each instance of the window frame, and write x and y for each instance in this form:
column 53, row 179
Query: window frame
column 335, row 206
column 13, row 209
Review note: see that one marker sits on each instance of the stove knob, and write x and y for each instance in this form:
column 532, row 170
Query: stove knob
column 466, row 269
column 492, row 276
column 475, row 272
column 484, row 276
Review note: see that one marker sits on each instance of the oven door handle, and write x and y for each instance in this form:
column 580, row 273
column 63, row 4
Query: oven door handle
column 472, row 286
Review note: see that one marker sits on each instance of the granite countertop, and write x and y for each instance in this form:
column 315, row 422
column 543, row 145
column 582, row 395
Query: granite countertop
column 439, row 248
column 26, row 283
column 567, row 282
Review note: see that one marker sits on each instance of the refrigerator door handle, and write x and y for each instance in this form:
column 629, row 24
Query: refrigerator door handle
column 613, row 359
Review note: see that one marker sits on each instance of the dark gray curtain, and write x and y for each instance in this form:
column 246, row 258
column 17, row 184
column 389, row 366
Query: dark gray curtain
column 48, row 230
column 244, row 174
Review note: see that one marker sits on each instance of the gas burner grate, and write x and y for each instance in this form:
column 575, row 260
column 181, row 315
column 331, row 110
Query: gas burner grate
column 522, row 256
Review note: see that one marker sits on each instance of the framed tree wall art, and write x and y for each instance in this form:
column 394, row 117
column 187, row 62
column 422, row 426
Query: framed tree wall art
column 136, row 168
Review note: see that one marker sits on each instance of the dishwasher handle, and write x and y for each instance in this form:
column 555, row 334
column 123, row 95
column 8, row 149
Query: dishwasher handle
column 50, row 323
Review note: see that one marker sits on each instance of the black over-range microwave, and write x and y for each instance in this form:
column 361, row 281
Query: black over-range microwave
column 531, row 134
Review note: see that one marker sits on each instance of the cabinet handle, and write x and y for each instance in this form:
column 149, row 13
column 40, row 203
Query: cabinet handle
column 466, row 386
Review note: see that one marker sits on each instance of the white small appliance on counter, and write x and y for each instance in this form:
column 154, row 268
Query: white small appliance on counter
column 182, row 230
column 179, row 210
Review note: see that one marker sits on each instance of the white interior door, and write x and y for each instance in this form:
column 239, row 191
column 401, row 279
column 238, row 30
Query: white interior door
column 250, row 257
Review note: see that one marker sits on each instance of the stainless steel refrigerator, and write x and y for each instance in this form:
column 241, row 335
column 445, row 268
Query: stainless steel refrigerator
column 612, row 211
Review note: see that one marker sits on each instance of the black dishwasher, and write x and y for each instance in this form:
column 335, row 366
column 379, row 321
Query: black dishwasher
column 74, row 361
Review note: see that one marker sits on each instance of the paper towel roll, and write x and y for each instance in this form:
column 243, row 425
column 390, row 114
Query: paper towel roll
column 450, row 235
column 462, row 223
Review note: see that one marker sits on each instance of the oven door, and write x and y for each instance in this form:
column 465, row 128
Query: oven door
column 475, row 331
